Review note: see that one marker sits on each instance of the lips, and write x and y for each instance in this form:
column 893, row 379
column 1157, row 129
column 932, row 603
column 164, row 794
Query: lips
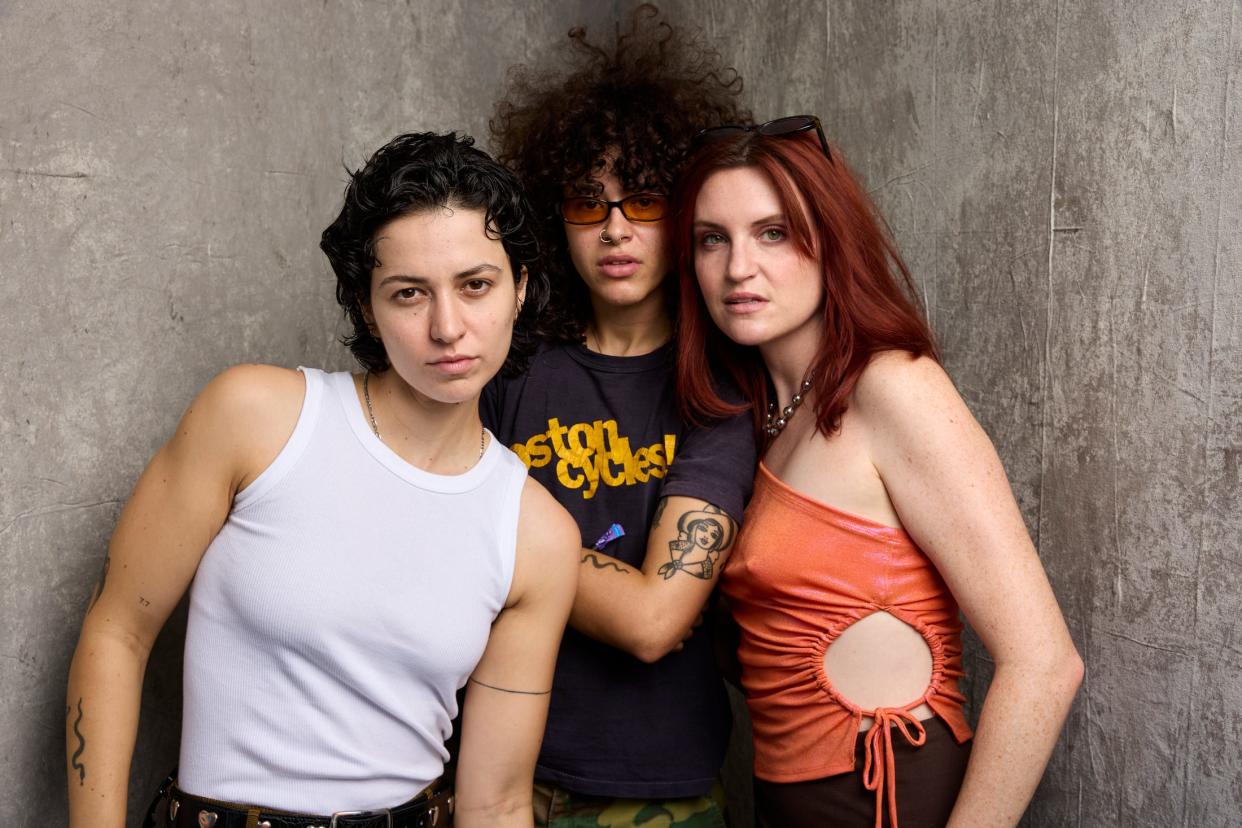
column 454, row 364
column 618, row 266
column 743, row 303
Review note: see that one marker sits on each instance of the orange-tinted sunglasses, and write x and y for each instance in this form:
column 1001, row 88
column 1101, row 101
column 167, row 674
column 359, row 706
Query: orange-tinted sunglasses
column 636, row 207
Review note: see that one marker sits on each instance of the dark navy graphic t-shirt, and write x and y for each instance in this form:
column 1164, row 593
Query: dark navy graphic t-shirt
column 603, row 435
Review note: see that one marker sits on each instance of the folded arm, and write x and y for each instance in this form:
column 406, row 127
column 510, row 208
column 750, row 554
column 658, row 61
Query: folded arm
column 648, row 612
column 507, row 695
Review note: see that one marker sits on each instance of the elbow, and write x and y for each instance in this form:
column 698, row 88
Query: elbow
column 1064, row 669
column 114, row 641
column 656, row 642
column 1059, row 671
column 649, row 653
column 1071, row 671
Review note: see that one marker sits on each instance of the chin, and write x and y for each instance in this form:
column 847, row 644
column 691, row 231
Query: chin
column 452, row 393
column 620, row 298
column 743, row 333
column 625, row 292
column 750, row 340
column 447, row 390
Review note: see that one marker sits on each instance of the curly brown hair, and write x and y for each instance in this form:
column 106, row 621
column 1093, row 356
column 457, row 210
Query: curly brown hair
column 639, row 101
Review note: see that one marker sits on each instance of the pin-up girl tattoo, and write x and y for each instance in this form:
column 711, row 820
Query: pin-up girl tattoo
column 702, row 534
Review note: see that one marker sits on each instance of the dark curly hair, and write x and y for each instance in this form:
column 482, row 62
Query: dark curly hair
column 421, row 171
column 642, row 99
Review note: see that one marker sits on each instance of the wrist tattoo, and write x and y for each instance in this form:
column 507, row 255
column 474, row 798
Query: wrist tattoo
column 73, row 760
column 594, row 561
column 507, row 690
column 703, row 535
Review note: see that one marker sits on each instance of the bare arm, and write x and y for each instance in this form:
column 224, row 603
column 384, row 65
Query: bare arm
column 177, row 507
column 507, row 696
column 649, row 612
column 949, row 488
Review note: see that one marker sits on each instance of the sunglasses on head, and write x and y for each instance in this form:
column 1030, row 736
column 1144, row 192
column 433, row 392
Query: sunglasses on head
column 592, row 210
column 790, row 125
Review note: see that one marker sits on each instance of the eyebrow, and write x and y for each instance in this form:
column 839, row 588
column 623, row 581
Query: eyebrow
column 590, row 188
column 775, row 218
column 484, row 267
column 583, row 188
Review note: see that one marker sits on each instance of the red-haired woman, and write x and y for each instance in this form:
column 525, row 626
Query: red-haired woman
column 876, row 513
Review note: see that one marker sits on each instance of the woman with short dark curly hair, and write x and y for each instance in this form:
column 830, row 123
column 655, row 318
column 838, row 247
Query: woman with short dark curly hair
column 639, row 721
column 405, row 176
column 359, row 547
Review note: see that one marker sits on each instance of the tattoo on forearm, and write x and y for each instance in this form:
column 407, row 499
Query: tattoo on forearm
column 507, row 690
column 99, row 587
column 594, row 561
column 73, row 760
column 703, row 535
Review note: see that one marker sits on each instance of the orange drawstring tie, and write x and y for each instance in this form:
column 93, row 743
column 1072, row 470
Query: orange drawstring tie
column 879, row 774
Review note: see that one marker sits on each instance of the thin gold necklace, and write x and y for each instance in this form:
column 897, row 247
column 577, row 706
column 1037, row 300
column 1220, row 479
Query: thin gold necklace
column 366, row 395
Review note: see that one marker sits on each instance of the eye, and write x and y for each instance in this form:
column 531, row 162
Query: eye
column 408, row 294
column 773, row 234
column 644, row 201
column 711, row 239
column 476, row 287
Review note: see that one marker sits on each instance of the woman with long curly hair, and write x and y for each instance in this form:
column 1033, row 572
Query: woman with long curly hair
column 595, row 418
column 880, row 507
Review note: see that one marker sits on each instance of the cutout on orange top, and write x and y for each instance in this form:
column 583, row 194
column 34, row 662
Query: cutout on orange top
column 879, row 661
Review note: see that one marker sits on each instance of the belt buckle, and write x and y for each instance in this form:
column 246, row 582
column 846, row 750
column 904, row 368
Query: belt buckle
column 361, row 815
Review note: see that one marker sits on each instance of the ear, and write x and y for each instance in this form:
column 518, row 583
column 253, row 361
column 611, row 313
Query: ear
column 369, row 318
column 521, row 290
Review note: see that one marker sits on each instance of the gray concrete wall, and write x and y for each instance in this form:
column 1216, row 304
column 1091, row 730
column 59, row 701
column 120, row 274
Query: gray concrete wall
column 165, row 171
column 1062, row 177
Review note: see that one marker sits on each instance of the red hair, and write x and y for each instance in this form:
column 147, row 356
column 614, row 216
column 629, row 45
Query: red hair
column 868, row 293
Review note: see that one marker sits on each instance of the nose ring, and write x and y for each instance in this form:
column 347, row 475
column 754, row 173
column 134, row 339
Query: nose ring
column 605, row 238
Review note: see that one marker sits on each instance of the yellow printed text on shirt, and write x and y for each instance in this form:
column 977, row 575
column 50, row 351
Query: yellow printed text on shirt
column 590, row 453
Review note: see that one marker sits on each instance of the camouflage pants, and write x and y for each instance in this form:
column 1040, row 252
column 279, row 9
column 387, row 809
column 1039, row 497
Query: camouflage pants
column 559, row 808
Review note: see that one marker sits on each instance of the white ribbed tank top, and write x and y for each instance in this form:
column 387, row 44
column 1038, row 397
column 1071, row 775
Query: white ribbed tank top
column 346, row 599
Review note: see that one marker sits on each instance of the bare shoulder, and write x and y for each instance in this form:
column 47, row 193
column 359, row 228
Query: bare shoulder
column 249, row 398
column 546, row 526
column 896, row 386
column 244, row 415
column 548, row 543
column 912, row 414
column 247, row 390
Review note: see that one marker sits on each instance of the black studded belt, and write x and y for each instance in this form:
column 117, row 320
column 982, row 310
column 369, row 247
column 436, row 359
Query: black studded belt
column 430, row 809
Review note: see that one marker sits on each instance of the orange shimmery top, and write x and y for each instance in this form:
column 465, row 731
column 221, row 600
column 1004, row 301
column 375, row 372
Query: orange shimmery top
column 801, row 573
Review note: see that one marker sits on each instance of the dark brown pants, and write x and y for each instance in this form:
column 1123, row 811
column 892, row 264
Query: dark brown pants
column 928, row 779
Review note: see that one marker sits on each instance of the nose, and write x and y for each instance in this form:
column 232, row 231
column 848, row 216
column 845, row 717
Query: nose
column 447, row 322
column 617, row 226
column 741, row 265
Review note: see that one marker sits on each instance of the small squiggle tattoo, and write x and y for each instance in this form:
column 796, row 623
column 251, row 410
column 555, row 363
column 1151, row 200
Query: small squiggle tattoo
column 78, row 766
column 598, row 564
